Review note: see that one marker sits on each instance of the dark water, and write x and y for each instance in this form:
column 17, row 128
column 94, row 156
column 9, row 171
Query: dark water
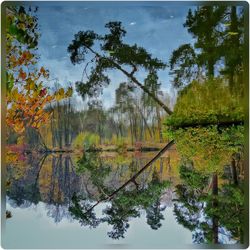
column 71, row 201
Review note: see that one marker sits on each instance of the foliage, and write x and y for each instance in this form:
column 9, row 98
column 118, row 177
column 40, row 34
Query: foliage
column 199, row 124
column 202, row 212
column 86, row 140
column 78, row 141
column 114, row 54
column 183, row 65
column 209, row 148
column 192, row 177
column 76, row 209
column 218, row 32
column 126, row 204
column 92, row 164
column 26, row 95
column 121, row 144
column 208, row 102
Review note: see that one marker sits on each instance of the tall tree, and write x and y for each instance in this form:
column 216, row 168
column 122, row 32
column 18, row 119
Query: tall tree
column 26, row 94
column 152, row 83
column 114, row 54
column 202, row 24
column 232, row 48
column 218, row 31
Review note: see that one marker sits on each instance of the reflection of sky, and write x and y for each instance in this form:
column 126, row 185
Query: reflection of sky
column 32, row 228
column 157, row 26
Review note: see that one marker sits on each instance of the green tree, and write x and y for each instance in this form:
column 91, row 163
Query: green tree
column 218, row 31
column 184, row 66
column 232, row 48
column 114, row 54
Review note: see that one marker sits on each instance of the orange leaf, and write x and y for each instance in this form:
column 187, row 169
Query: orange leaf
column 22, row 74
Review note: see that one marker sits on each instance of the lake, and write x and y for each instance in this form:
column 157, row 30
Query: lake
column 71, row 201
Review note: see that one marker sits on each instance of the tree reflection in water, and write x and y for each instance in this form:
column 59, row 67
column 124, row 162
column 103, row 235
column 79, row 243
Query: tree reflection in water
column 214, row 214
column 121, row 207
column 210, row 205
column 47, row 178
column 69, row 190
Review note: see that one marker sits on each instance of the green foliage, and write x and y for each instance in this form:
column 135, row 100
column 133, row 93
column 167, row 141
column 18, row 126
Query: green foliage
column 126, row 204
column 114, row 54
column 198, row 124
column 22, row 26
column 208, row 102
column 78, row 141
column 209, row 148
column 152, row 84
column 92, row 164
column 77, row 209
column 193, row 178
column 218, row 33
column 200, row 210
column 182, row 65
column 86, row 140
column 121, row 144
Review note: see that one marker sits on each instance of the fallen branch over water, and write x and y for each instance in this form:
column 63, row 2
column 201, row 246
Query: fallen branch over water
column 132, row 179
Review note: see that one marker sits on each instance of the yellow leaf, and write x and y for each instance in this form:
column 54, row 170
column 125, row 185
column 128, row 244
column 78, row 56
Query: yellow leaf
column 22, row 74
column 14, row 94
column 69, row 92
column 60, row 94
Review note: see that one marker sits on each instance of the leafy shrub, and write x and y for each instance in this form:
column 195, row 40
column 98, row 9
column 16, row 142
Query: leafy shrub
column 208, row 102
column 121, row 144
column 209, row 148
column 86, row 140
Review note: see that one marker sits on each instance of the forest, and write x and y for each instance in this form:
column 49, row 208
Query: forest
column 202, row 131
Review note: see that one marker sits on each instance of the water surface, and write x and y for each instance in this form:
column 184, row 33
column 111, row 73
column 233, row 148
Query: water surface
column 62, row 201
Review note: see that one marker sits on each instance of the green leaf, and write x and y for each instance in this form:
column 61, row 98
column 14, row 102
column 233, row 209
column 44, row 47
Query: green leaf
column 10, row 81
column 13, row 30
column 233, row 33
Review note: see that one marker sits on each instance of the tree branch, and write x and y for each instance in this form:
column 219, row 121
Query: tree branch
column 130, row 76
column 132, row 179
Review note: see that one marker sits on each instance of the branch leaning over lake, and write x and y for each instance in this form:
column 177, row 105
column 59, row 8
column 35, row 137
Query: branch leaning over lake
column 112, row 53
column 132, row 179
column 134, row 80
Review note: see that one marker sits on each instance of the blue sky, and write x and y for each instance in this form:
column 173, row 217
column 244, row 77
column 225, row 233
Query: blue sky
column 157, row 26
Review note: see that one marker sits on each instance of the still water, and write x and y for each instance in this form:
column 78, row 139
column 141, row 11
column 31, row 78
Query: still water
column 73, row 201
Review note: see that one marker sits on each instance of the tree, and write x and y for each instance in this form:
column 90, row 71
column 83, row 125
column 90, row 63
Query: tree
column 184, row 65
column 151, row 82
column 26, row 97
column 218, row 47
column 114, row 54
column 202, row 24
column 232, row 48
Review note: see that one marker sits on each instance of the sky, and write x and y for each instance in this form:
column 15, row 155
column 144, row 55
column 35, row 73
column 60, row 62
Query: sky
column 156, row 26
column 68, row 234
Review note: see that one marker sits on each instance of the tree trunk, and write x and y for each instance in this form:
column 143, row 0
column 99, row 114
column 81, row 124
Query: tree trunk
column 215, row 219
column 235, row 43
column 133, row 178
column 131, row 129
column 159, row 123
column 234, row 171
column 131, row 77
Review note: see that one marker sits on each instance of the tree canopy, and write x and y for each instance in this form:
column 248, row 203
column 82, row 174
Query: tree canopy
column 112, row 53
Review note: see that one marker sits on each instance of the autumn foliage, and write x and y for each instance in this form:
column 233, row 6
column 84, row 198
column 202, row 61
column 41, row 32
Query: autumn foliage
column 27, row 94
